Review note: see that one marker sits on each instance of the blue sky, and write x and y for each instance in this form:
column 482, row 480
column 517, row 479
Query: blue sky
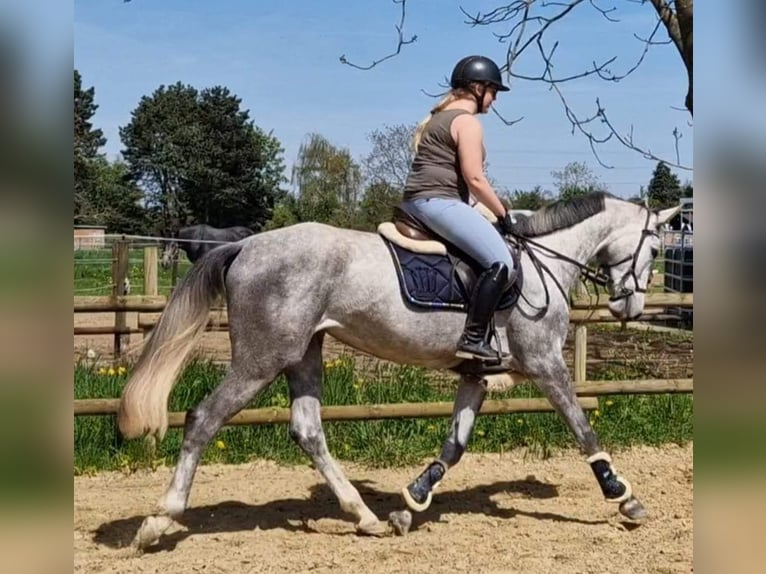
column 281, row 58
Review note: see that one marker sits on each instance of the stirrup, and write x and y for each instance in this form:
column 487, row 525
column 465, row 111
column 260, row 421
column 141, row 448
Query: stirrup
column 496, row 355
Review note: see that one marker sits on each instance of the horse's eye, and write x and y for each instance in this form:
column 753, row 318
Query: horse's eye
column 655, row 252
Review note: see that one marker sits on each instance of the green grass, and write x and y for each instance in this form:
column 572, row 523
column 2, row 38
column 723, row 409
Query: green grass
column 93, row 272
column 620, row 421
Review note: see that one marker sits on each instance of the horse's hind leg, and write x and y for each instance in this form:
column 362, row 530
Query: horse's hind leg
column 470, row 396
column 305, row 382
column 557, row 388
column 202, row 423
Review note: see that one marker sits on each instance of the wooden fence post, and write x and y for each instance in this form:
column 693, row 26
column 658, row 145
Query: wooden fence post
column 120, row 254
column 150, row 270
column 580, row 354
column 580, row 291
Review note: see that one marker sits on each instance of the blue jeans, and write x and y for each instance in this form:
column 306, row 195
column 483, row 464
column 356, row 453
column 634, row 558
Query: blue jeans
column 464, row 227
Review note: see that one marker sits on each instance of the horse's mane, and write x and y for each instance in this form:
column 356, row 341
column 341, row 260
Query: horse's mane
column 561, row 214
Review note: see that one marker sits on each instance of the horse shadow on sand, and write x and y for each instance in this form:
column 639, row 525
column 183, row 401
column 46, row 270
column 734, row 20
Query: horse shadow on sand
column 297, row 514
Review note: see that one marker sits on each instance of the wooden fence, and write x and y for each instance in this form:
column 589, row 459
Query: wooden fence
column 587, row 396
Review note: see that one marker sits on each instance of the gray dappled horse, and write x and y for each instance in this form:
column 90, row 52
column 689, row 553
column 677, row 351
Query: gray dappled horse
column 196, row 240
column 288, row 287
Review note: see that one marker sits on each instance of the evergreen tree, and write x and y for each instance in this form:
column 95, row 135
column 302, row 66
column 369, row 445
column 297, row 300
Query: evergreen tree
column 664, row 188
column 201, row 159
column 87, row 141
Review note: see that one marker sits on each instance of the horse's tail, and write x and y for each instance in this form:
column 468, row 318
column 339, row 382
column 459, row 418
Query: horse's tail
column 143, row 406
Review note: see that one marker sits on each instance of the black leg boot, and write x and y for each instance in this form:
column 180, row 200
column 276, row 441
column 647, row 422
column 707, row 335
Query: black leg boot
column 484, row 299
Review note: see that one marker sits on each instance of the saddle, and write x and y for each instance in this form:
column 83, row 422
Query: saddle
column 434, row 274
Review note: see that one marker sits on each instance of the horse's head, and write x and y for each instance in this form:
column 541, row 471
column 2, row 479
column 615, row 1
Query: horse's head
column 169, row 253
column 628, row 259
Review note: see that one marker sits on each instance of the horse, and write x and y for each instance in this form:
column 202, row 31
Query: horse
column 288, row 287
column 197, row 240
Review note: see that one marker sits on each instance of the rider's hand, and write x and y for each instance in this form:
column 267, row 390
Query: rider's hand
column 506, row 223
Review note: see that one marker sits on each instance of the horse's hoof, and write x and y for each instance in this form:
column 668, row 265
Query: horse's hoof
column 414, row 504
column 633, row 509
column 151, row 530
column 373, row 528
column 400, row 521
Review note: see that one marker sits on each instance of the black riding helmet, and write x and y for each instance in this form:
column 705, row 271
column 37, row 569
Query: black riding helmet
column 477, row 69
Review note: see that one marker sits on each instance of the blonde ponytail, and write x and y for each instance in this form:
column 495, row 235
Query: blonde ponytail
column 450, row 97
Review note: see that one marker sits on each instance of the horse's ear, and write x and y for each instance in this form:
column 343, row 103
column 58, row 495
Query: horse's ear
column 667, row 214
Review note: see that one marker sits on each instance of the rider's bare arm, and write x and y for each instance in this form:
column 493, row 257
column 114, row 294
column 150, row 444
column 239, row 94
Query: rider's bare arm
column 467, row 132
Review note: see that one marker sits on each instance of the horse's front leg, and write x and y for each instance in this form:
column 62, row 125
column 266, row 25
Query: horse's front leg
column 470, row 396
column 555, row 384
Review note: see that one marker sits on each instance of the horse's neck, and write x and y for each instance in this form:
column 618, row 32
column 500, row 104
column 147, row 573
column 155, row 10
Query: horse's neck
column 580, row 242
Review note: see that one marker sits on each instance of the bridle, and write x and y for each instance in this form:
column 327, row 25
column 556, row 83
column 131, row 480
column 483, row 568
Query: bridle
column 601, row 276
column 620, row 290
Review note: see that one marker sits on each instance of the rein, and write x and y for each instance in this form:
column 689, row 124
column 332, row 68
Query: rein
column 594, row 276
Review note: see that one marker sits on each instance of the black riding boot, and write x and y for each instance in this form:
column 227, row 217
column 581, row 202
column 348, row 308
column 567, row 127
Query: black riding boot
column 486, row 295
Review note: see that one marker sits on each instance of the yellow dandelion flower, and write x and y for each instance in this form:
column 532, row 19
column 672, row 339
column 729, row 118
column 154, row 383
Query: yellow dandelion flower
column 220, row 445
column 110, row 372
column 609, row 403
column 102, row 371
column 592, row 422
column 519, row 421
column 430, row 428
column 597, row 413
column 121, row 370
column 480, row 432
column 346, row 447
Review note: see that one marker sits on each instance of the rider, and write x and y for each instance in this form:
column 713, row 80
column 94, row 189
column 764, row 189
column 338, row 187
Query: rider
column 448, row 165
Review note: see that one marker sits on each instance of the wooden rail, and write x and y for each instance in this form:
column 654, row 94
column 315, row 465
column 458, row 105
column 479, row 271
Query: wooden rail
column 156, row 303
column 587, row 396
column 273, row 415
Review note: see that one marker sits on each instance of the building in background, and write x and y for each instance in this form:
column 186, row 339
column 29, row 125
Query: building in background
column 89, row 237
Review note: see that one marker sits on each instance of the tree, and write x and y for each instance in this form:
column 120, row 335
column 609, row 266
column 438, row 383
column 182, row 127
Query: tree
column 114, row 200
column 664, row 188
column 576, row 179
column 377, row 205
column 327, row 182
column 534, row 33
column 201, row 159
column 391, row 156
column 239, row 168
column 533, row 199
column 87, row 141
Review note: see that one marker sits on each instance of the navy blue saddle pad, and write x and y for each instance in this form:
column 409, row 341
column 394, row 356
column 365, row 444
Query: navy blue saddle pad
column 439, row 282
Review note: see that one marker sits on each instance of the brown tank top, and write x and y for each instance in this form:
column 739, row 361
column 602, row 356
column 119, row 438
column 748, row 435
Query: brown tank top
column 435, row 171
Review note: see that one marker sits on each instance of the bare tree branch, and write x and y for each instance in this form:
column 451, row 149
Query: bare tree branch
column 400, row 43
column 528, row 21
